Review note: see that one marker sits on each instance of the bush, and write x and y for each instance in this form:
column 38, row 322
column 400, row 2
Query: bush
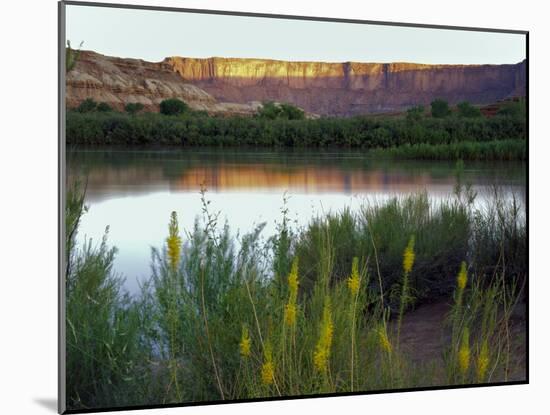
column 211, row 323
column 173, row 106
column 84, row 129
column 441, row 242
column 465, row 150
column 104, row 107
column 133, row 107
column 357, row 132
column 415, row 114
column 440, row 108
column 88, row 105
column 269, row 111
column 274, row 110
column 103, row 345
column 291, row 112
column 465, row 109
column 514, row 109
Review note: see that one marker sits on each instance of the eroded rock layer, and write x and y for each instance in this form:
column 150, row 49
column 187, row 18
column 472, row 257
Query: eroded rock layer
column 237, row 86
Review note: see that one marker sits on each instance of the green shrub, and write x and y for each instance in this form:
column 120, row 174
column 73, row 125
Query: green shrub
column 465, row 109
column 269, row 111
column 441, row 241
column 133, row 107
column 88, row 105
column 440, row 108
column 104, row 354
column 415, row 114
column 290, row 112
column 173, row 106
column 358, row 132
column 84, row 128
column 274, row 110
column 104, row 107
column 213, row 324
column 464, row 150
column 71, row 56
column 513, row 109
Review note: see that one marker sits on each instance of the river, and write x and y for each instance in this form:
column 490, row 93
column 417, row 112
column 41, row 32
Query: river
column 134, row 191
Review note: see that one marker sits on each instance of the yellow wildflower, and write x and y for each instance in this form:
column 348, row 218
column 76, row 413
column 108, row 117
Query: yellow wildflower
column 290, row 307
column 173, row 242
column 464, row 352
column 354, row 280
column 408, row 256
column 462, row 278
column 482, row 361
column 268, row 369
column 322, row 350
column 244, row 345
column 267, row 373
column 320, row 359
column 384, row 340
column 293, row 281
column 290, row 314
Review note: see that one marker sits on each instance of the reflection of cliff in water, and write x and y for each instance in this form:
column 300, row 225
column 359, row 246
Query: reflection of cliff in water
column 140, row 172
column 302, row 179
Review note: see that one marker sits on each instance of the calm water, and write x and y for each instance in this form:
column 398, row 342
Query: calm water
column 134, row 191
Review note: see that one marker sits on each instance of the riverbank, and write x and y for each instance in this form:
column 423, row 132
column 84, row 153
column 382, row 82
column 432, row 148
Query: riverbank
column 499, row 137
column 320, row 309
column 496, row 150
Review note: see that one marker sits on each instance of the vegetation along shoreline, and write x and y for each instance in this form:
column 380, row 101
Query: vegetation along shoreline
column 440, row 133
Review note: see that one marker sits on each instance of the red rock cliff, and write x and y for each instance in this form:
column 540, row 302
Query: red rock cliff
column 350, row 88
column 340, row 89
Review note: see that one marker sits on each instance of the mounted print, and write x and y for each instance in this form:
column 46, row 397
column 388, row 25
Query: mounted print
column 258, row 207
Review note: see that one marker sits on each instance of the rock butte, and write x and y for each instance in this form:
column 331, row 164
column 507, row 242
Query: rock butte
column 234, row 86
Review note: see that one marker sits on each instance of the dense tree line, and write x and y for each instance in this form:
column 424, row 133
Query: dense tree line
column 186, row 127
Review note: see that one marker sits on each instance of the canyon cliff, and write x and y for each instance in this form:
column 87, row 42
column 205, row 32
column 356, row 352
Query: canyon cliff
column 238, row 86
column 119, row 81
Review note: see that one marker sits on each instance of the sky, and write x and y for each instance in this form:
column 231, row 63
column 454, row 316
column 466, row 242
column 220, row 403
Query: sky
column 154, row 35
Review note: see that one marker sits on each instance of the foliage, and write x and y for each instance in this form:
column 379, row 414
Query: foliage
column 500, row 237
column 465, row 109
column 274, row 110
column 105, row 359
column 71, row 56
column 104, row 107
column 465, row 150
column 440, row 108
column 212, row 323
column 133, row 107
column 514, row 109
column 441, row 241
column 173, row 106
column 415, row 114
column 480, row 323
column 88, row 105
column 356, row 132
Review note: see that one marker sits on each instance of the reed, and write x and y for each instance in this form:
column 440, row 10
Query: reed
column 217, row 320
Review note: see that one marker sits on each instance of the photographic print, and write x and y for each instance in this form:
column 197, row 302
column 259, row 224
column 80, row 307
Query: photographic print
column 261, row 207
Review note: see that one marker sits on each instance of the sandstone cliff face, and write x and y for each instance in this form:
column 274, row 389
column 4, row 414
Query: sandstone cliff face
column 350, row 88
column 239, row 85
column 118, row 81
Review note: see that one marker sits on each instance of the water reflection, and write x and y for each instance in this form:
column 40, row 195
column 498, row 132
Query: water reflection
column 116, row 173
column 134, row 191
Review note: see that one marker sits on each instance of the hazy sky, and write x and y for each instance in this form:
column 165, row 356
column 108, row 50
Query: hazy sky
column 154, row 35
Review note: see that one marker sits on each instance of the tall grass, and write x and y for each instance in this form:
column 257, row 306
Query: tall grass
column 312, row 310
column 510, row 149
column 480, row 318
column 106, row 360
column 450, row 137
column 382, row 230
